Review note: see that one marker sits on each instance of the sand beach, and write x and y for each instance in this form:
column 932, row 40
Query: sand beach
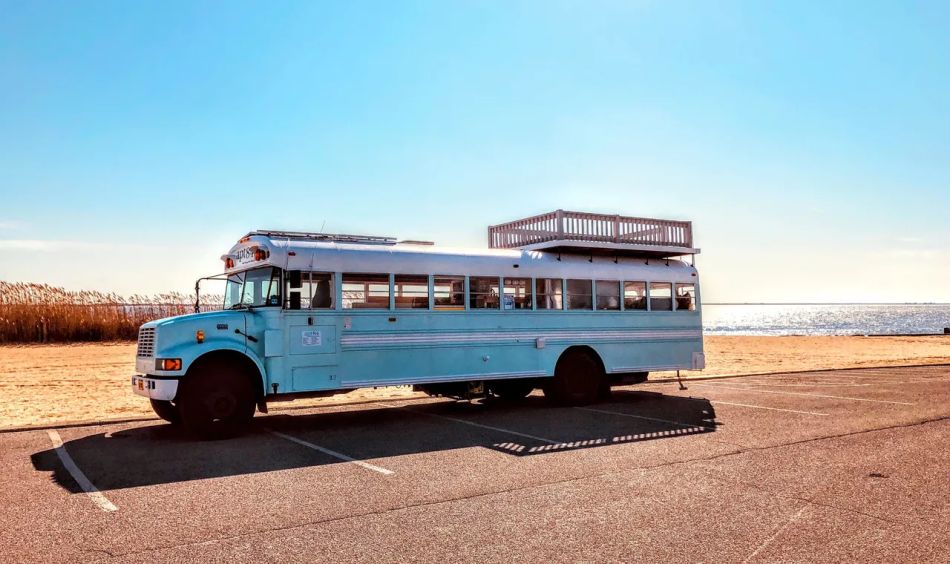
column 57, row 384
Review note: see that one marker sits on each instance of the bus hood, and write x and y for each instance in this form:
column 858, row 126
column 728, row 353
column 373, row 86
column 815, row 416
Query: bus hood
column 188, row 318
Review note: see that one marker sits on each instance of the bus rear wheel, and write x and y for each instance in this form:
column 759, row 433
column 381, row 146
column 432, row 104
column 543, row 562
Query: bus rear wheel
column 512, row 390
column 167, row 411
column 217, row 401
column 578, row 379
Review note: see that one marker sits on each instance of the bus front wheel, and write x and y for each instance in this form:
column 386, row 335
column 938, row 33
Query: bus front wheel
column 578, row 379
column 217, row 401
column 167, row 411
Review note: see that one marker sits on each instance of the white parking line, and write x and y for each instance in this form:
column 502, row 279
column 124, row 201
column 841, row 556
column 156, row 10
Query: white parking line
column 801, row 385
column 473, row 424
column 862, row 375
column 644, row 417
column 769, row 408
column 91, row 491
column 756, row 391
column 334, row 454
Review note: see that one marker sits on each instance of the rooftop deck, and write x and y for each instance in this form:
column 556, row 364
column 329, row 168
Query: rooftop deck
column 566, row 231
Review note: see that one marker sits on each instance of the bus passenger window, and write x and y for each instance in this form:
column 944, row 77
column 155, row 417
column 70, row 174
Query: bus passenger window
column 483, row 293
column 321, row 284
column 635, row 295
column 517, row 293
column 549, row 293
column 365, row 291
column 579, row 294
column 412, row 291
column 316, row 290
column 608, row 294
column 685, row 297
column 661, row 296
column 449, row 292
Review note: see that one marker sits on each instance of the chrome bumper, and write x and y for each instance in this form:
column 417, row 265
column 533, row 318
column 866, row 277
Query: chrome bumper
column 155, row 388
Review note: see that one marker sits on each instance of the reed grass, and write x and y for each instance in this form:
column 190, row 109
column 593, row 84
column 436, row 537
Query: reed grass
column 39, row 313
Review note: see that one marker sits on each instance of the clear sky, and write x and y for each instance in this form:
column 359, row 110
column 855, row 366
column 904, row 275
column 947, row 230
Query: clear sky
column 809, row 142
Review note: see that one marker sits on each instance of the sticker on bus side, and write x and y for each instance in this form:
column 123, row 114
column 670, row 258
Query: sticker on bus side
column 311, row 338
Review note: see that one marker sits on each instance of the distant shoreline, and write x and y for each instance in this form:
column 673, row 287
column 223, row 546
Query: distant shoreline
column 827, row 303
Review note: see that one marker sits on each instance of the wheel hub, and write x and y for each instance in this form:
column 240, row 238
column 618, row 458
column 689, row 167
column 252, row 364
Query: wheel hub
column 221, row 405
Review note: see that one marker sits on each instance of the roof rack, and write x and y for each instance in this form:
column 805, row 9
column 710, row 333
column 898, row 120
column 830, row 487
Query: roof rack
column 325, row 237
column 591, row 233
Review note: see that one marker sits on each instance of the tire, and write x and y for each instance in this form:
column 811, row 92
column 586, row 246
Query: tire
column 512, row 390
column 578, row 379
column 217, row 400
column 167, row 411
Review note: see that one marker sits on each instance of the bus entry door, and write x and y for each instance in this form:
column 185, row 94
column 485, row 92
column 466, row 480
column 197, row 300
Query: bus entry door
column 312, row 355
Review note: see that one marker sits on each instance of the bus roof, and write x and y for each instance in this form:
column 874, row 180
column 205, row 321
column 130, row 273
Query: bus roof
column 384, row 255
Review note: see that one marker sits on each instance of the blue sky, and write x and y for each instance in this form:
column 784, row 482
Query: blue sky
column 808, row 142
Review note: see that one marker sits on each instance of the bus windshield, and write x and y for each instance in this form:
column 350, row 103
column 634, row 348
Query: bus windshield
column 253, row 288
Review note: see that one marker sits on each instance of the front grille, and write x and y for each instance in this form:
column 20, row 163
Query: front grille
column 146, row 342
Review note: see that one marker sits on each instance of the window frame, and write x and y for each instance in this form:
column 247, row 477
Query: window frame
column 428, row 291
column 275, row 272
column 695, row 296
column 529, row 293
column 617, row 285
column 568, row 294
column 537, row 295
column 646, row 296
column 389, row 284
column 306, row 277
column 470, row 294
column 450, row 307
column 650, row 297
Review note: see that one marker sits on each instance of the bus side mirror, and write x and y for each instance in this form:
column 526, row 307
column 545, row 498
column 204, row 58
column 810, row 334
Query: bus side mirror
column 294, row 278
column 294, row 300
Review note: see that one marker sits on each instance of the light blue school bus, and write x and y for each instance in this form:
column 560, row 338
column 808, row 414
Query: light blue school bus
column 571, row 303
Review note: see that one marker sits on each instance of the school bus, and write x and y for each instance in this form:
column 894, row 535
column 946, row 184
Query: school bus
column 571, row 303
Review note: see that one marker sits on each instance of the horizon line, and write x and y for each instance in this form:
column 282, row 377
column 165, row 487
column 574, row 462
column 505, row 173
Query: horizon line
column 827, row 303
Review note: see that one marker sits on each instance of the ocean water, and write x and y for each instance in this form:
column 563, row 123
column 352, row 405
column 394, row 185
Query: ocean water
column 826, row 319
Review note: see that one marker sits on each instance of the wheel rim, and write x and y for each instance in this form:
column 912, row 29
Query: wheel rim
column 221, row 405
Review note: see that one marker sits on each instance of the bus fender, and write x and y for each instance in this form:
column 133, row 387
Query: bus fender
column 241, row 353
column 589, row 349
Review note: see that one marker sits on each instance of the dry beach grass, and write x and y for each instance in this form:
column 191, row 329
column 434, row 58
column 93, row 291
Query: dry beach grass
column 38, row 313
column 55, row 384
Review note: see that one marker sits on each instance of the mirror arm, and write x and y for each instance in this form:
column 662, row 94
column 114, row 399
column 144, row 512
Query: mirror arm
column 197, row 296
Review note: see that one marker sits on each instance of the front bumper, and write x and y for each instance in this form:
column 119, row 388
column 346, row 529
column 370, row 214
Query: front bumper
column 155, row 388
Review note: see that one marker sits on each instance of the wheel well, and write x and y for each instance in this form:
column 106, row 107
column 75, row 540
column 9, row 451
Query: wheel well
column 240, row 362
column 585, row 349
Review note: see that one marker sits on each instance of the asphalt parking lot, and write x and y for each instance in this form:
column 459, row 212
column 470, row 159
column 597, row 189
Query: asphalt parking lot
column 825, row 466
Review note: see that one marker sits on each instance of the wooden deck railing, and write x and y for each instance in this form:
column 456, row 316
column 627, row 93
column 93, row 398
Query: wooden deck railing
column 578, row 226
